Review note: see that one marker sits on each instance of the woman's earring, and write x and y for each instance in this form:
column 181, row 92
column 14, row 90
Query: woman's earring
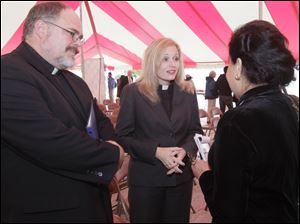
column 236, row 77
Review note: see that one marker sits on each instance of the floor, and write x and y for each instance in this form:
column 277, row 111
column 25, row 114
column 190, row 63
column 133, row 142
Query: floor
column 201, row 214
column 198, row 212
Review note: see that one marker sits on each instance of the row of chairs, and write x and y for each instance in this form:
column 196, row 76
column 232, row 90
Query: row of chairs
column 211, row 127
column 111, row 110
column 118, row 184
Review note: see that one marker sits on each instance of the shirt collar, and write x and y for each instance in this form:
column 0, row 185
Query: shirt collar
column 55, row 70
column 257, row 92
column 36, row 60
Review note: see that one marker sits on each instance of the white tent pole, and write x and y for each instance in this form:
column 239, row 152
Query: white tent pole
column 260, row 10
column 93, row 27
column 101, row 76
column 82, row 56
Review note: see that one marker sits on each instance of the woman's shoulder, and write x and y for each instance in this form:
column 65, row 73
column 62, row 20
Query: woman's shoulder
column 130, row 89
column 239, row 116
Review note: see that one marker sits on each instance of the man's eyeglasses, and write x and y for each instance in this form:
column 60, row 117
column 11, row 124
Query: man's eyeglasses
column 75, row 36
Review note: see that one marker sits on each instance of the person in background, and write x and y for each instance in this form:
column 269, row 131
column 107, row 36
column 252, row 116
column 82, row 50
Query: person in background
column 224, row 92
column 157, row 122
column 51, row 169
column 119, row 86
column 211, row 93
column 124, row 80
column 112, row 84
column 252, row 174
column 188, row 77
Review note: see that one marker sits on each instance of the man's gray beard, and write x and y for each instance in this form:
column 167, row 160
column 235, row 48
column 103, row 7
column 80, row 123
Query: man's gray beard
column 64, row 63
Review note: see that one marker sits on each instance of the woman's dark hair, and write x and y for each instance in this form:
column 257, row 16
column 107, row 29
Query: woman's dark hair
column 264, row 53
column 225, row 69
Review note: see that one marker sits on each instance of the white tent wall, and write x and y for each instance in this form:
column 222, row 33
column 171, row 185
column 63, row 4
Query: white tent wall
column 94, row 77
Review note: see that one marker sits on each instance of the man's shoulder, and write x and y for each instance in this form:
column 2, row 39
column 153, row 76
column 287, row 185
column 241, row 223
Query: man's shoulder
column 13, row 65
column 132, row 88
column 12, row 59
column 221, row 77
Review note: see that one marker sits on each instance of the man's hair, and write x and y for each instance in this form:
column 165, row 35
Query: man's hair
column 45, row 10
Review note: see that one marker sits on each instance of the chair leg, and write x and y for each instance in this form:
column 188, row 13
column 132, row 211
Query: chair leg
column 122, row 204
column 193, row 210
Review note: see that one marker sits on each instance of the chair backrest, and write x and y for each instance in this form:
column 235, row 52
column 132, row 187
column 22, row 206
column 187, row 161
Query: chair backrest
column 106, row 101
column 202, row 113
column 120, row 174
column 102, row 107
column 113, row 106
column 123, row 171
column 216, row 111
column 215, row 121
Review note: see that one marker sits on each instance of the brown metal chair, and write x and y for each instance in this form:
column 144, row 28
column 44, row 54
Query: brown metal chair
column 216, row 111
column 119, row 183
column 207, row 128
column 106, row 101
column 113, row 106
column 102, row 107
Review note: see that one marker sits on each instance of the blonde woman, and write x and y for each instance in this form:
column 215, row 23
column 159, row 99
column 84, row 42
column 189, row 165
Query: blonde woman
column 157, row 121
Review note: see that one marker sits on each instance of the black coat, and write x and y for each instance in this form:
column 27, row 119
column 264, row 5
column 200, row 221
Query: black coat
column 48, row 162
column 143, row 126
column 210, row 88
column 122, row 83
column 255, row 161
column 222, row 86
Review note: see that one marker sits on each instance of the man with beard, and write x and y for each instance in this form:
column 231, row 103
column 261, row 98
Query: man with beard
column 51, row 169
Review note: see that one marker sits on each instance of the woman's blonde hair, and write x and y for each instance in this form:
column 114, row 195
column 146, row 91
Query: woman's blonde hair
column 148, row 81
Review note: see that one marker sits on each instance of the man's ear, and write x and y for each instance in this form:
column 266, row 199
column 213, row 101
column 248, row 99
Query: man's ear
column 40, row 29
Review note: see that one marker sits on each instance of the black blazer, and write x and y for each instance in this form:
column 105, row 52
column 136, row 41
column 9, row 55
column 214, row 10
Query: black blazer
column 48, row 162
column 123, row 83
column 143, row 126
column 255, row 161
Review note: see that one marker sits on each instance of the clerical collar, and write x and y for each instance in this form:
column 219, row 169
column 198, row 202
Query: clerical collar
column 55, row 70
column 164, row 87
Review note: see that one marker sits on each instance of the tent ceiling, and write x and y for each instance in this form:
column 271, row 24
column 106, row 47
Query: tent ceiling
column 124, row 29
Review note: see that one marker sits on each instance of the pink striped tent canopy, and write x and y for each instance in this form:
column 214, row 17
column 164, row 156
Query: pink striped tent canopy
column 125, row 28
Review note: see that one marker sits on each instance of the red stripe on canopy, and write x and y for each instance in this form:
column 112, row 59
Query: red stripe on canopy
column 205, row 21
column 282, row 12
column 14, row 41
column 111, row 49
column 130, row 19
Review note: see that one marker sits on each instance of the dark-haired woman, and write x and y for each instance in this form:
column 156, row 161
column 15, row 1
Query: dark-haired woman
column 252, row 173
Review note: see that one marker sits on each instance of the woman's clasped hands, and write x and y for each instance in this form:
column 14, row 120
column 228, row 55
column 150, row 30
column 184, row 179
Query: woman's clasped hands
column 171, row 157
